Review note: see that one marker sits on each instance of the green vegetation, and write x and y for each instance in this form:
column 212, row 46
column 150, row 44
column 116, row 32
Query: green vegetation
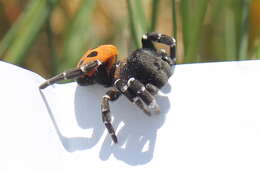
column 205, row 30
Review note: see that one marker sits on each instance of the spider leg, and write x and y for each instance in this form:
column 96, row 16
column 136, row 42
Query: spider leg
column 152, row 88
column 165, row 57
column 149, row 38
column 71, row 74
column 110, row 95
column 139, row 89
column 122, row 86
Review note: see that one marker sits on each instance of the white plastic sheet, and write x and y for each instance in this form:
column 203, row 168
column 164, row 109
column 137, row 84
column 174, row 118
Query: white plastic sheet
column 209, row 122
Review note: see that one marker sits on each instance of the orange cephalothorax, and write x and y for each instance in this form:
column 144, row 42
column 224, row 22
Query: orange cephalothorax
column 106, row 54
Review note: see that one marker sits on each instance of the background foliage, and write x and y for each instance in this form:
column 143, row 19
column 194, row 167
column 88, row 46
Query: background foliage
column 48, row 36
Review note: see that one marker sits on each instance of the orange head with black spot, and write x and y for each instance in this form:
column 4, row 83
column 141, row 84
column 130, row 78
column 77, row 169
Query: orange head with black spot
column 106, row 54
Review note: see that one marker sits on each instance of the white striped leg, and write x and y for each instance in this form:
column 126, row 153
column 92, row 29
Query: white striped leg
column 150, row 37
column 122, row 86
column 152, row 88
column 111, row 95
column 166, row 57
column 139, row 89
column 71, row 74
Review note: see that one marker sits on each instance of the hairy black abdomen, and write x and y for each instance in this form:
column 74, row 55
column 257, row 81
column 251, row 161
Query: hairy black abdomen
column 147, row 66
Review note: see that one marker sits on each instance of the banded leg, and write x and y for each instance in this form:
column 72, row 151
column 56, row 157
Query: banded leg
column 166, row 57
column 152, row 88
column 110, row 95
column 149, row 38
column 71, row 74
column 122, row 86
column 139, row 89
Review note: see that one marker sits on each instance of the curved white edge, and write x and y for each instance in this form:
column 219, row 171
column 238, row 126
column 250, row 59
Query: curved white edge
column 209, row 122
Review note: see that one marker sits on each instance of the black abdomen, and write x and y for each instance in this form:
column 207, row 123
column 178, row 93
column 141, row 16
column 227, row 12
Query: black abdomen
column 147, row 66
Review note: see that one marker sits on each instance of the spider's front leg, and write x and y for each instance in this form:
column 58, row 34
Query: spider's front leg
column 152, row 88
column 122, row 86
column 136, row 92
column 110, row 95
column 141, row 91
column 149, row 38
column 71, row 74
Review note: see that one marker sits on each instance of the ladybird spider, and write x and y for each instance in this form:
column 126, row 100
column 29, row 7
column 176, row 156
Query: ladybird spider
column 138, row 77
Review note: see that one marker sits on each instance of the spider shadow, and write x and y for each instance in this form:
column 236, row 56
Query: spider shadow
column 72, row 144
column 166, row 88
column 87, row 111
column 136, row 132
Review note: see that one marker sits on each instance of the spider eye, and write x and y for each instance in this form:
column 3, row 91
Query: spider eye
column 93, row 54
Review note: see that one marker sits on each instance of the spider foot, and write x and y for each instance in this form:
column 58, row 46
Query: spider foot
column 111, row 132
column 154, row 107
column 111, row 95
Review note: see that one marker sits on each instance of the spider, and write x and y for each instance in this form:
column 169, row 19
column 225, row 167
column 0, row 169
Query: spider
column 138, row 77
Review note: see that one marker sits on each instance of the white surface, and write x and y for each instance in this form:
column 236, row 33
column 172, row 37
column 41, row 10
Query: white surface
column 210, row 122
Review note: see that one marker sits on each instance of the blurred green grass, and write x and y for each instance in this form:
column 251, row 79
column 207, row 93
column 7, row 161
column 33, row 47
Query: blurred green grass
column 49, row 36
